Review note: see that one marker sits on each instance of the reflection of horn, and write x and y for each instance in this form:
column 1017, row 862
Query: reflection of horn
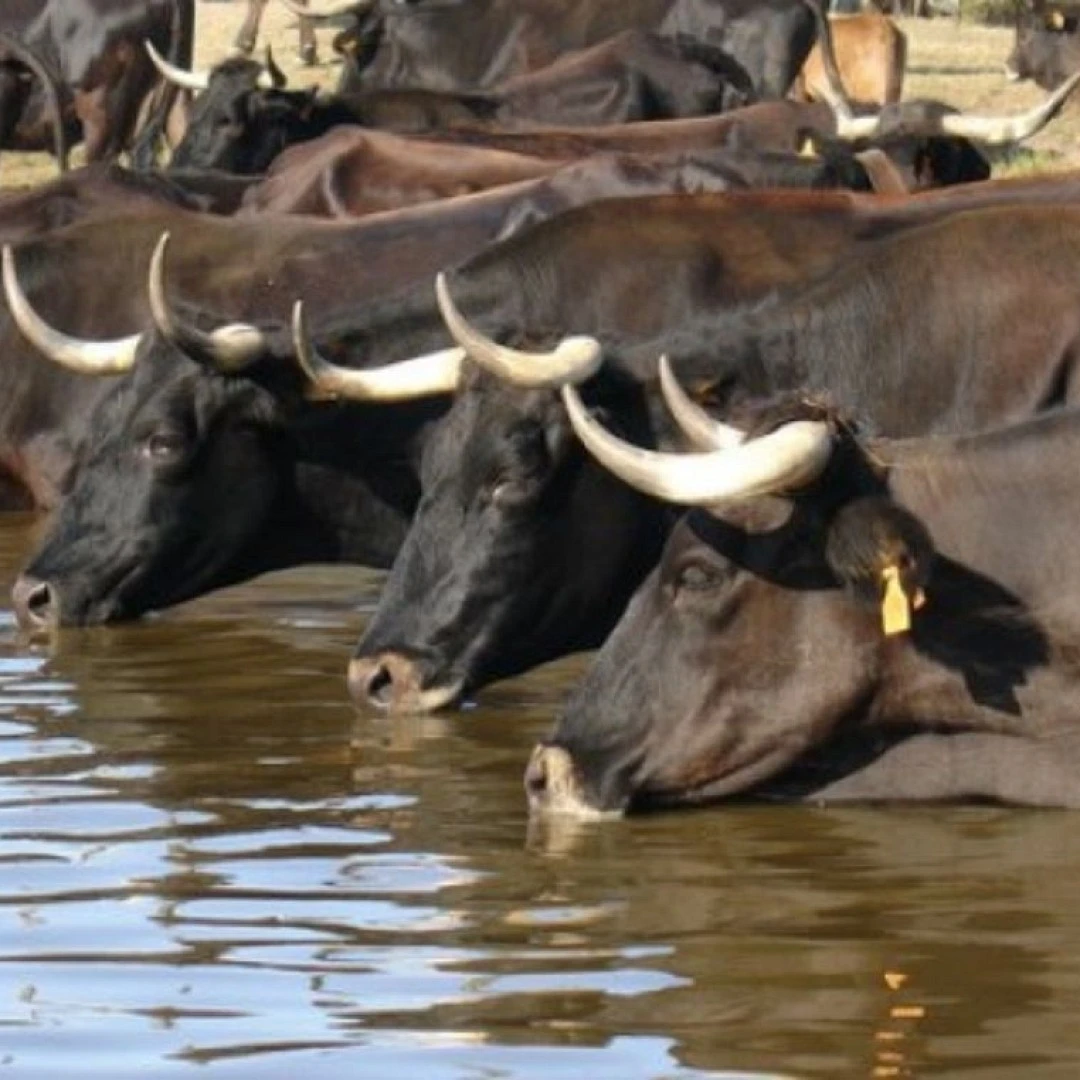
column 696, row 424
column 231, row 347
column 789, row 457
column 573, row 360
column 76, row 354
column 421, row 376
column 347, row 7
column 186, row 80
column 991, row 130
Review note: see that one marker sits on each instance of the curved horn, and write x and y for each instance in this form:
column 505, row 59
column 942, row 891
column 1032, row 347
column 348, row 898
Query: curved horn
column 232, row 347
column 346, row 7
column 421, row 376
column 186, row 80
column 272, row 77
column 85, row 357
column 991, row 130
column 994, row 130
column 696, row 424
column 789, row 457
column 573, row 360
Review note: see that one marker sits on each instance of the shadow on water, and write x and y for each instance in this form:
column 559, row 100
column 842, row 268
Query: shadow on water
column 208, row 858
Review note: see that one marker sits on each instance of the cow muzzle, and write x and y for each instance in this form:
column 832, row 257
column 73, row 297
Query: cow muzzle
column 392, row 683
column 36, row 604
column 553, row 786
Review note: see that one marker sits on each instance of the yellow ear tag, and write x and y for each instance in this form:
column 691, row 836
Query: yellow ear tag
column 895, row 608
column 808, row 149
column 1056, row 20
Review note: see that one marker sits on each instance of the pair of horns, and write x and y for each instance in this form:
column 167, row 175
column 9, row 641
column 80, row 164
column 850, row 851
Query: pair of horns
column 725, row 468
column 991, row 130
column 573, row 360
column 270, row 78
column 231, row 348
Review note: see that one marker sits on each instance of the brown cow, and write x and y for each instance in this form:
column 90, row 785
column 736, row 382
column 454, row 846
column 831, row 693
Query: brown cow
column 871, row 53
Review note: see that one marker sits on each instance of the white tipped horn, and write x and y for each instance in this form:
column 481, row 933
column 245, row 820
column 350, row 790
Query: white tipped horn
column 788, row 458
column 347, row 7
column 86, row 357
column 421, row 376
column 186, row 80
column 704, row 432
column 995, row 130
column 232, row 347
column 573, row 360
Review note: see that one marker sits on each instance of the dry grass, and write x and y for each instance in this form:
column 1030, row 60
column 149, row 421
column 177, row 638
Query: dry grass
column 955, row 62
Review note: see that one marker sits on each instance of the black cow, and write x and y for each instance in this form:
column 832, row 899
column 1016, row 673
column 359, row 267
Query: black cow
column 94, row 50
column 124, row 512
column 245, row 117
column 480, row 43
column 1047, row 45
column 522, row 550
column 847, row 621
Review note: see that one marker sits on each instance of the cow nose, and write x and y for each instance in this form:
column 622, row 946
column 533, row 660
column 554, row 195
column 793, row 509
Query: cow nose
column 552, row 785
column 388, row 682
column 36, row 603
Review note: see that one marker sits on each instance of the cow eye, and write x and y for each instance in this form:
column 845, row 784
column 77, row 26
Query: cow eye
column 164, row 446
column 506, row 492
column 696, row 577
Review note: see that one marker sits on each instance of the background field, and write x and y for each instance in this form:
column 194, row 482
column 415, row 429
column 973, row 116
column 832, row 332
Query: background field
column 959, row 63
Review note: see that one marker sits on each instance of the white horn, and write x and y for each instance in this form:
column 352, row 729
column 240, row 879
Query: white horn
column 232, row 347
column 696, row 424
column 187, row 80
column 330, row 12
column 86, row 357
column 573, row 360
column 789, row 457
column 1010, row 129
column 421, row 376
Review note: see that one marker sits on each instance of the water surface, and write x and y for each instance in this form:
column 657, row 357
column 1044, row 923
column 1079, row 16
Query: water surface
column 208, row 858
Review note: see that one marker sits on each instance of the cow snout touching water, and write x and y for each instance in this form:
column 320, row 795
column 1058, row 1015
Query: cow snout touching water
column 36, row 603
column 392, row 682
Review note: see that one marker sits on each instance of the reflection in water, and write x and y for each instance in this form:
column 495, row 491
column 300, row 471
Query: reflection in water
column 206, row 857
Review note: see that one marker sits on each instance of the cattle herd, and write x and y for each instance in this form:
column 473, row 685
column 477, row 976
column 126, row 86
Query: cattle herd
column 666, row 328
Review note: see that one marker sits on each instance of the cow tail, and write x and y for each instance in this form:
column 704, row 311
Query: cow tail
column 50, row 87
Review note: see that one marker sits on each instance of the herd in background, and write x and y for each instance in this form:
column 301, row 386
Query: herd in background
column 603, row 343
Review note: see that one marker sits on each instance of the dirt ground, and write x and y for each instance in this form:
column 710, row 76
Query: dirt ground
column 955, row 62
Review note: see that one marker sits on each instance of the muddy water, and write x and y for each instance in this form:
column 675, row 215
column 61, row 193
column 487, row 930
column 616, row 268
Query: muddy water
column 207, row 858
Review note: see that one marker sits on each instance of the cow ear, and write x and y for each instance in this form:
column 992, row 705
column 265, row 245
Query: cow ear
column 884, row 554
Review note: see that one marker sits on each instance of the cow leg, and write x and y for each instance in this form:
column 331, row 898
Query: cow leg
column 248, row 34
column 14, row 92
column 308, row 49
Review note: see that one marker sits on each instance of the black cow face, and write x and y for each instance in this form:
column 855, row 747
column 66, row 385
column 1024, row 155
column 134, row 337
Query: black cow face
column 180, row 472
column 518, row 544
column 237, row 127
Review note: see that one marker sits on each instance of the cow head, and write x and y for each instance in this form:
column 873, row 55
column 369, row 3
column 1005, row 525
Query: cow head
column 520, row 542
column 204, row 465
column 242, row 118
column 764, row 628
column 1046, row 48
